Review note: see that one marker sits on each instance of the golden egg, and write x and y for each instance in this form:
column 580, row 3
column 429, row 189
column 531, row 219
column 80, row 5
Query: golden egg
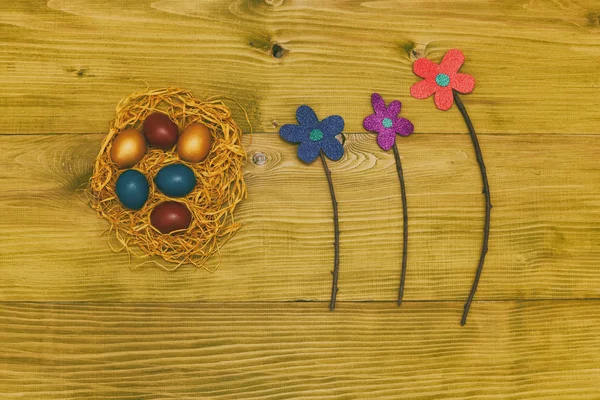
column 194, row 143
column 128, row 148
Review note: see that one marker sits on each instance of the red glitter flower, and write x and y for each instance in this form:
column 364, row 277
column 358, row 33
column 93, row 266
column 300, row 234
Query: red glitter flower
column 441, row 79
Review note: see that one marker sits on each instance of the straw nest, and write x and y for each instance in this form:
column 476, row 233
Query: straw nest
column 220, row 184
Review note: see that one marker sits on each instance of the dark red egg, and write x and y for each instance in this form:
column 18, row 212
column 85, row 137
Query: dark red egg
column 160, row 131
column 170, row 216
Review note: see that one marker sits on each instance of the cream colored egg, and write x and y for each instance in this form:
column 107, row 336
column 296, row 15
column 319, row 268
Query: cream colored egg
column 128, row 148
column 194, row 143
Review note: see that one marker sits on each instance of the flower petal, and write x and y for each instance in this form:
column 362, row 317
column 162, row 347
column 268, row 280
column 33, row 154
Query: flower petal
column 332, row 148
column 425, row 68
column 403, row 127
column 443, row 98
column 386, row 139
column 452, row 62
column 293, row 133
column 306, row 116
column 308, row 151
column 394, row 109
column 373, row 122
column 332, row 126
column 378, row 103
column 424, row 89
column 463, row 83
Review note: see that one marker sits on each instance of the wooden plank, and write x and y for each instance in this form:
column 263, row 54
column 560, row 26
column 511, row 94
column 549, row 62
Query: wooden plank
column 534, row 350
column 65, row 64
column 543, row 244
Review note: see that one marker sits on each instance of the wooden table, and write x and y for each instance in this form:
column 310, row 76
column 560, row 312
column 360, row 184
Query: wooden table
column 76, row 322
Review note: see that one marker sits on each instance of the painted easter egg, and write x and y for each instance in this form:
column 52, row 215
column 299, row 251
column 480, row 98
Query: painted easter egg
column 132, row 189
column 170, row 216
column 160, row 131
column 194, row 143
column 128, row 148
column 175, row 180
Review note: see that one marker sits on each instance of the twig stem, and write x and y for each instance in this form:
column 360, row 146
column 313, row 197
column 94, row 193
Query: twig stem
column 336, row 227
column 405, row 226
column 488, row 205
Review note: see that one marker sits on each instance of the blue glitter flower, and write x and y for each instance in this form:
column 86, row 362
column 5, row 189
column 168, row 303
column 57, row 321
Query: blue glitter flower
column 314, row 136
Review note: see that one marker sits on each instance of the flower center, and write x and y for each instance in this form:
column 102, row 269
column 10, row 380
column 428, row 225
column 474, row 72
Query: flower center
column 316, row 135
column 387, row 123
column 442, row 80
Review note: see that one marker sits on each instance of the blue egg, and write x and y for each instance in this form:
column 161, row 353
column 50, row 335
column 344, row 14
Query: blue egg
column 175, row 180
column 132, row 189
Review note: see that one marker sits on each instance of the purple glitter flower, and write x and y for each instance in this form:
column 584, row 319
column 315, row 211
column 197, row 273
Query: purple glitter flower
column 386, row 122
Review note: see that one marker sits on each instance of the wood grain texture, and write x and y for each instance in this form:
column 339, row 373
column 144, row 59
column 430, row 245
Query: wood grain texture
column 65, row 64
column 534, row 350
column 77, row 323
column 543, row 243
